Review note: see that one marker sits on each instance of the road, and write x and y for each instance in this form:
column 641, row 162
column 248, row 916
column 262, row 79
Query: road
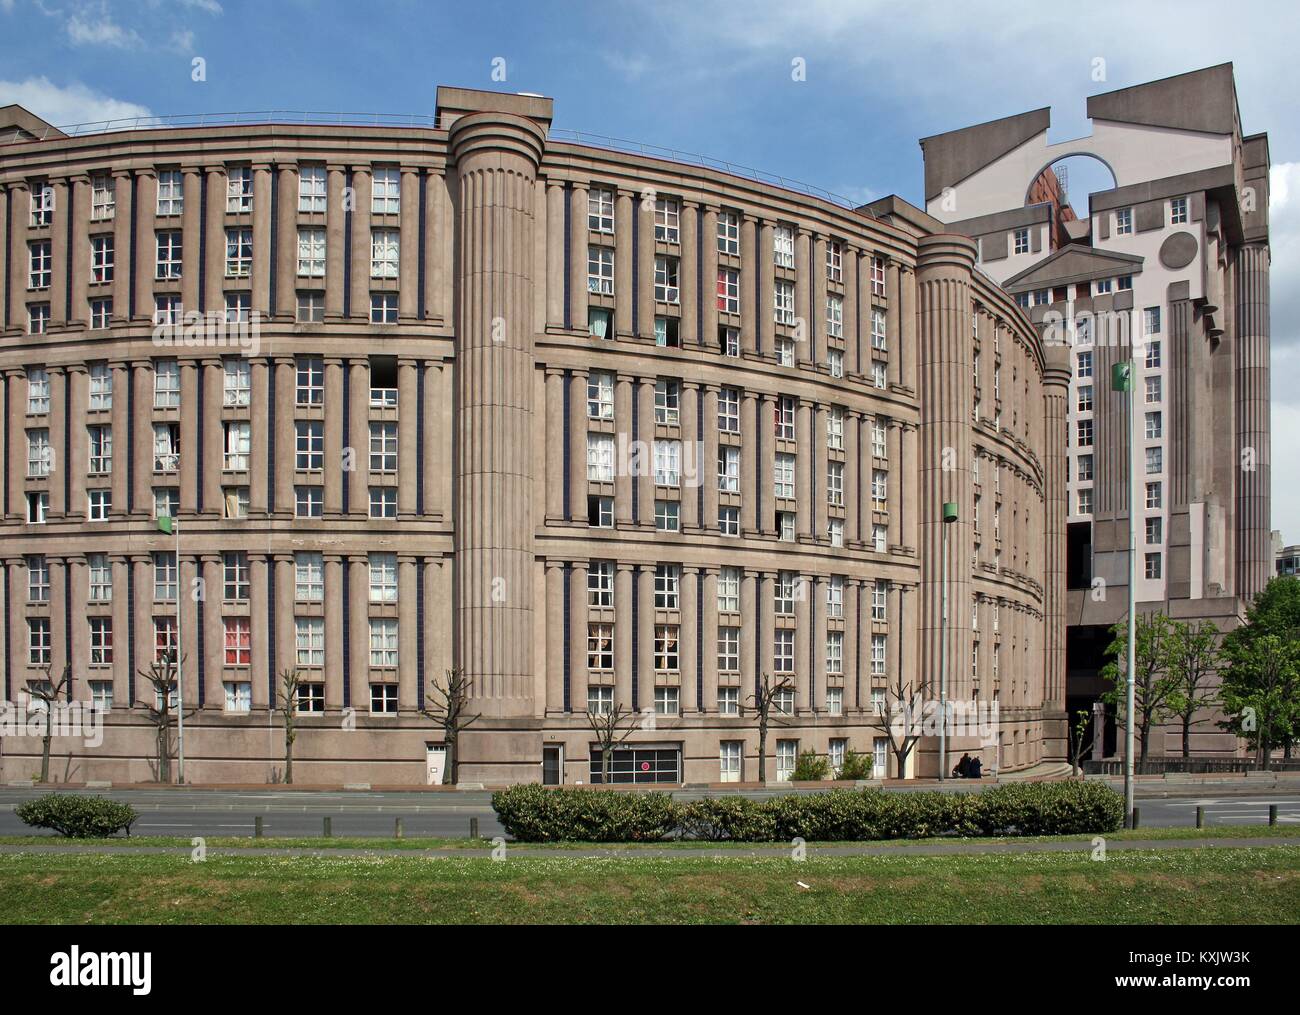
column 188, row 812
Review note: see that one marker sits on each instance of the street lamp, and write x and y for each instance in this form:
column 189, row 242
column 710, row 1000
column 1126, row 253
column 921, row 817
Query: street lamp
column 1121, row 380
column 949, row 516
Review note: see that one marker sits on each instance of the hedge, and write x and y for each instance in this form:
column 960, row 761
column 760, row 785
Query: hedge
column 538, row 814
column 78, row 817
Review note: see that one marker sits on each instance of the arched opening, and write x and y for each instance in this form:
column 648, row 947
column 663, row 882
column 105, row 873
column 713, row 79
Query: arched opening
column 1066, row 185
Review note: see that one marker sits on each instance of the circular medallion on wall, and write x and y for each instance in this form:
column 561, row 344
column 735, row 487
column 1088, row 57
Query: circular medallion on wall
column 1178, row 250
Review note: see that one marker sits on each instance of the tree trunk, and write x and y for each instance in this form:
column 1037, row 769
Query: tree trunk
column 606, row 763
column 1187, row 736
column 762, row 753
column 45, row 743
column 164, row 762
column 1144, row 737
column 450, row 773
column 288, row 761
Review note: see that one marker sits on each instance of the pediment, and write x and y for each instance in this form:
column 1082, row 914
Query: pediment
column 1074, row 263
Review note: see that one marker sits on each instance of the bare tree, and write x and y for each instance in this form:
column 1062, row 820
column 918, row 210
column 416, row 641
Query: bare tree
column 611, row 729
column 900, row 719
column 1078, row 731
column 763, row 698
column 448, row 707
column 161, row 678
column 288, row 708
column 1192, row 654
column 49, row 691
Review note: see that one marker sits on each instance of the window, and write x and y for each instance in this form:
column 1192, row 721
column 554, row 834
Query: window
column 38, row 641
column 164, row 648
column 171, row 193
column 1083, row 433
column 785, row 590
column 879, row 449
column 600, row 700
column 835, row 429
column 783, row 302
column 101, row 578
column 728, row 520
column 383, row 577
column 168, row 258
column 729, row 341
column 1151, row 321
column 38, row 391
column 238, row 695
column 835, row 362
column 100, row 440
column 1084, row 501
column 101, row 695
column 311, row 698
column 878, row 655
column 728, row 233
column 729, row 469
column 838, row 746
column 600, row 584
column 167, row 309
column 728, row 291
column 1153, row 389
column 101, row 258
column 38, row 580
column 1083, row 363
column 39, row 454
column 383, row 502
column 728, row 649
column 600, row 270
column 383, row 642
column 600, row 395
column 313, row 193
column 666, row 659
column 1152, row 361
column 730, row 752
column 311, row 308
column 600, row 512
column 1154, row 426
column 783, row 654
column 729, row 590
column 235, row 501
column 386, row 192
column 879, row 489
column 99, row 504
column 1084, row 467
column 383, row 308
column 166, row 502
column 310, row 445
column 1154, row 493
column 309, row 641
column 666, row 280
column 42, row 205
column 310, row 388
column 1124, row 283
column 308, row 577
column 835, row 261
column 308, row 501
column 164, row 577
column 311, row 253
column 834, row 656
column 237, row 382
column 877, row 276
column 383, row 447
column 668, row 516
column 667, row 700
column 38, row 506
column 600, row 457
column 667, row 332
column 239, row 190
column 101, row 312
column 1084, row 403
column 729, row 410
column 1123, row 221
column 879, row 600
column 238, row 445
column 783, row 476
column 783, row 247
column 1152, row 565
column 835, row 316
column 729, row 702
column 101, row 387
column 785, row 408
column 600, row 210
column 667, row 403
column 1021, row 241
column 385, row 253
column 1155, row 460
column 239, row 253
column 835, row 484
column 167, row 385
column 667, row 579
column 878, row 377
column 1154, row 530
column 39, row 262
column 1177, row 211
column 600, row 647
column 234, row 568
column 238, row 641
column 667, row 219
column 38, row 318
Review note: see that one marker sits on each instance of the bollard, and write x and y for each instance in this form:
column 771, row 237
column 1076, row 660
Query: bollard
column 1200, row 817
column 1135, row 818
column 397, row 830
column 473, row 828
column 1272, row 814
column 327, row 828
column 257, row 827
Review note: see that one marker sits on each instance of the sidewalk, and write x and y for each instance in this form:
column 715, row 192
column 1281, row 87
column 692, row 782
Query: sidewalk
column 523, row 851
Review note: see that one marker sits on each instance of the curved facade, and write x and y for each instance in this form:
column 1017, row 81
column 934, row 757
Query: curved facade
column 595, row 427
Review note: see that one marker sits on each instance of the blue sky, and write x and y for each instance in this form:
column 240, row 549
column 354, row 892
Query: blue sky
column 710, row 78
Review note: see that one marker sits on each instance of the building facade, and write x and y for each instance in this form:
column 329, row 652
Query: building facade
column 1171, row 269
column 596, row 429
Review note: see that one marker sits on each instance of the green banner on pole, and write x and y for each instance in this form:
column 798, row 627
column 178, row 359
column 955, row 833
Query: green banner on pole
column 1121, row 377
column 165, row 524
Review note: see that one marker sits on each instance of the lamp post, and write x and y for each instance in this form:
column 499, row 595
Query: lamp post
column 171, row 526
column 1121, row 380
column 949, row 516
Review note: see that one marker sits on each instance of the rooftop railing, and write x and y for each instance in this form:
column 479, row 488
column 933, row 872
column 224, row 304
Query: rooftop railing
column 422, row 120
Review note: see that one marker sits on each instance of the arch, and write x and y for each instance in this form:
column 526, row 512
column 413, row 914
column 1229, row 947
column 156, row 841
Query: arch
column 1078, row 153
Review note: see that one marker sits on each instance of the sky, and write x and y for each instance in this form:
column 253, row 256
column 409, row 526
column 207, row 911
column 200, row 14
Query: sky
column 834, row 93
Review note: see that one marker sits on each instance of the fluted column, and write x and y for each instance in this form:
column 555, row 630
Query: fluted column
column 122, row 219
column 690, row 333
column 214, row 257
column 192, row 183
column 645, row 416
column 1054, row 509
column 19, row 209
column 555, row 242
column 803, row 470
column 1254, row 552
column 691, row 458
column 578, row 447
column 336, row 216
column 624, row 576
column 709, row 460
column 555, row 635
column 496, row 157
column 408, row 418
column 709, row 637
column 578, row 198
column 358, row 436
column 363, row 190
column 408, row 299
column 686, row 643
column 334, row 633
column 121, row 403
column 262, row 252
column 944, row 270
column 334, row 437
column 286, row 244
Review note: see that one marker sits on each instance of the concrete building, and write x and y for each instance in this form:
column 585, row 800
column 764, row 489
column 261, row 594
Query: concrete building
column 595, row 427
column 1171, row 267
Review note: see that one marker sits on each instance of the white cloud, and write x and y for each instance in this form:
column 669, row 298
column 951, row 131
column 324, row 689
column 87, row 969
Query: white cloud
column 62, row 105
column 100, row 31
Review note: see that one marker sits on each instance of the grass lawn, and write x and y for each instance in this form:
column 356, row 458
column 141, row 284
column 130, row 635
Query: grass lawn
column 1250, row 885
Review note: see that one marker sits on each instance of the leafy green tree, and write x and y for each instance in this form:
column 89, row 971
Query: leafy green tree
column 1151, row 685
column 810, row 767
column 1260, row 689
column 1191, row 657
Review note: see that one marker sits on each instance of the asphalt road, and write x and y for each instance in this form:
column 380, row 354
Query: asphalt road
column 189, row 812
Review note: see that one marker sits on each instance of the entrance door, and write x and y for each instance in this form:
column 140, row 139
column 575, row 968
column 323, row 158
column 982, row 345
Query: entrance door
column 435, row 763
column 552, row 765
